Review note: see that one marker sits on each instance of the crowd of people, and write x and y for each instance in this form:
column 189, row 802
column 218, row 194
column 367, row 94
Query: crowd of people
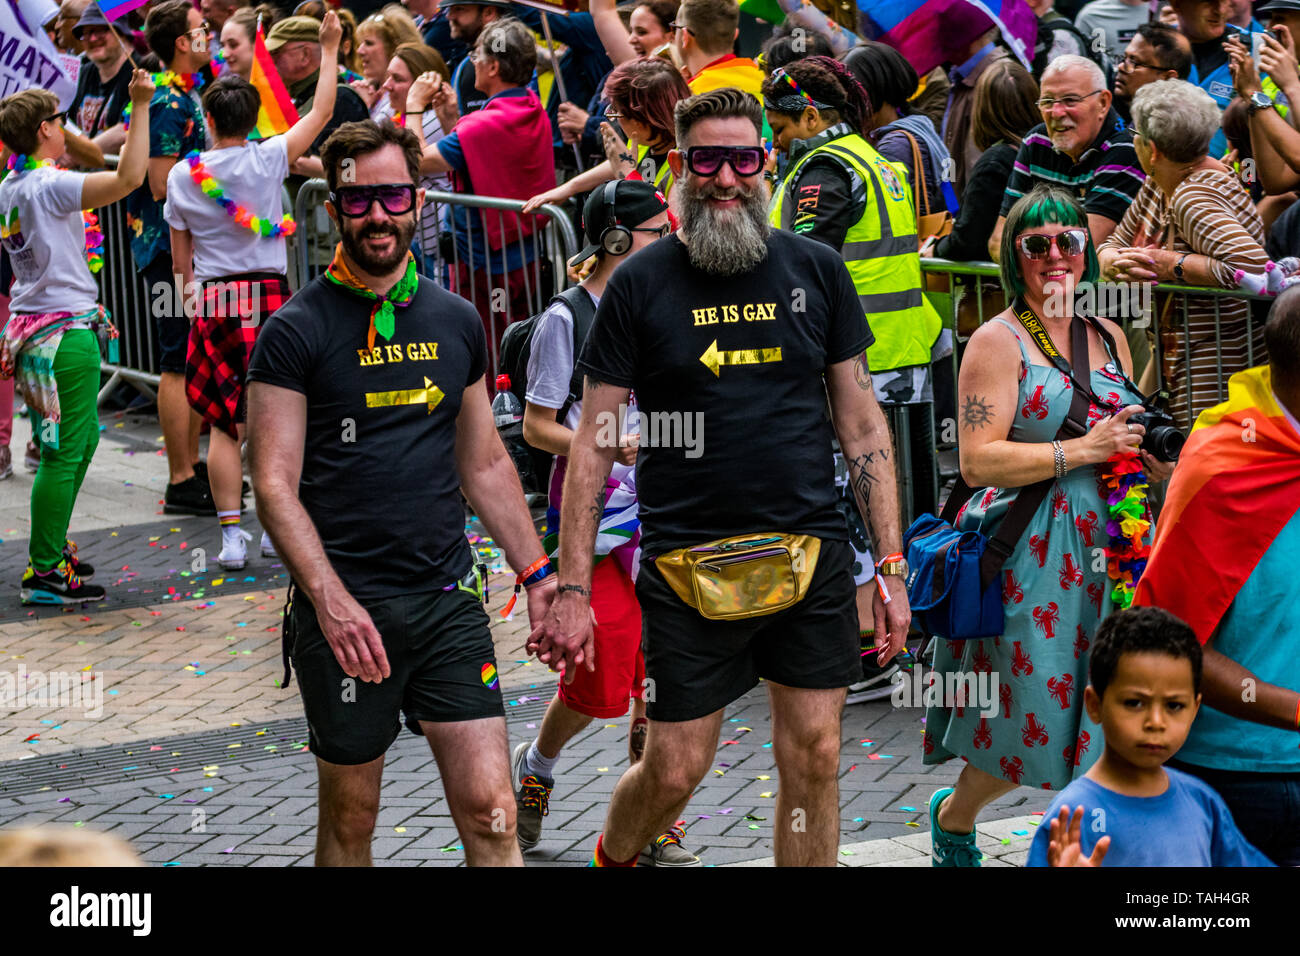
column 753, row 231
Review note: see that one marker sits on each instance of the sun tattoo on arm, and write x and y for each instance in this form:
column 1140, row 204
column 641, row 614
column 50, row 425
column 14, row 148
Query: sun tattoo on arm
column 862, row 372
column 976, row 412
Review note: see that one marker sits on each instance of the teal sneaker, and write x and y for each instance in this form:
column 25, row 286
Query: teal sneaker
column 949, row 849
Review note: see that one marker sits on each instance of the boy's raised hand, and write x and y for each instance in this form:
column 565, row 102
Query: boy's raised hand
column 1066, row 848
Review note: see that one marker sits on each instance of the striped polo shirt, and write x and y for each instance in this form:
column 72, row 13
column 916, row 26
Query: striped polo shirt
column 1106, row 178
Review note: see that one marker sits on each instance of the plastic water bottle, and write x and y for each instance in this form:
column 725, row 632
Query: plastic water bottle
column 506, row 409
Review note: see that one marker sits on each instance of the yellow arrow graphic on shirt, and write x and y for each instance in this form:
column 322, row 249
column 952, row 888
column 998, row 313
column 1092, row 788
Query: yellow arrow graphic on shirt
column 714, row 359
column 430, row 395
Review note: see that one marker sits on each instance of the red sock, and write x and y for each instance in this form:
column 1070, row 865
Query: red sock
column 602, row 858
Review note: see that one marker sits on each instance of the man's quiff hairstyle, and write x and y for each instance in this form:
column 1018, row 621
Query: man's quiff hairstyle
column 366, row 136
column 21, row 116
column 713, row 23
column 715, row 104
column 167, row 23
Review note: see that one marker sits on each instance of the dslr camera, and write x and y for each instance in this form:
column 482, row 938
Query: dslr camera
column 1162, row 440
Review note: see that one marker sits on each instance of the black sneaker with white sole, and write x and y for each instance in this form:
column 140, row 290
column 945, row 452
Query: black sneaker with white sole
column 58, row 586
column 189, row 497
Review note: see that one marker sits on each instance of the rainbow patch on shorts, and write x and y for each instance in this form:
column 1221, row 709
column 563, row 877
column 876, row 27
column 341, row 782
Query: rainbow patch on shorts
column 489, row 674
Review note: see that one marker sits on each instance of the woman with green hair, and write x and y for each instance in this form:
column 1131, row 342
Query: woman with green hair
column 1013, row 399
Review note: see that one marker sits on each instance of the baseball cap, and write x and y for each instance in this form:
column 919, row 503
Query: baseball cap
column 631, row 203
column 1276, row 6
column 94, row 17
column 291, row 30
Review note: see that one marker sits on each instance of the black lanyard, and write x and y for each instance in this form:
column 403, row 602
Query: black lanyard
column 1034, row 326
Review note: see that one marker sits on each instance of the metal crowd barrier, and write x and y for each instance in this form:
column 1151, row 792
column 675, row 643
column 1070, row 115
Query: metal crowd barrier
column 965, row 279
column 545, row 254
column 124, row 293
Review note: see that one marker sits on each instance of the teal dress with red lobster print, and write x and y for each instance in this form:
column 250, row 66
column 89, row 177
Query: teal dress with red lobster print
column 1055, row 593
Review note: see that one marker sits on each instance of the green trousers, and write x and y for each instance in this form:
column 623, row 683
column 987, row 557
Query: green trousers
column 54, row 492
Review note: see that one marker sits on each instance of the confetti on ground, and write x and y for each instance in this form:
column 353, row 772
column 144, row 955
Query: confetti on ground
column 399, row 829
column 602, row 770
column 910, row 823
column 1020, row 833
column 908, row 809
column 766, row 794
column 764, row 777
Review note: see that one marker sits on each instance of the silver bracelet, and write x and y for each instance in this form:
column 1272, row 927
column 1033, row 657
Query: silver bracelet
column 1058, row 454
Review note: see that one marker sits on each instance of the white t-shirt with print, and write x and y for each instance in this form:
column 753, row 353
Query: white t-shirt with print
column 45, row 236
column 251, row 175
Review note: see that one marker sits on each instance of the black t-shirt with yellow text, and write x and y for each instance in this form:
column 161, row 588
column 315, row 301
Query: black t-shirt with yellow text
column 728, row 376
column 379, row 476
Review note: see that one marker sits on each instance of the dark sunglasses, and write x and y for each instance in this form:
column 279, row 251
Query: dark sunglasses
column 355, row 201
column 659, row 231
column 708, row 160
column 61, row 117
column 1071, row 243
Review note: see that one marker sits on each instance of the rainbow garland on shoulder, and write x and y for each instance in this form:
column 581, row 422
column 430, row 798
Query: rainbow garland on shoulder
column 89, row 221
column 212, row 189
column 1128, row 524
column 182, row 81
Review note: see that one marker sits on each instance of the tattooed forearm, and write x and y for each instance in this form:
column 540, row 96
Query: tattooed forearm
column 627, row 157
column 597, row 507
column 976, row 412
column 862, row 372
column 863, row 481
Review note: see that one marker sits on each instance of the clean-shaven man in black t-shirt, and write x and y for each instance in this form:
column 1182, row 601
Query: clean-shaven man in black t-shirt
column 368, row 417
column 747, row 332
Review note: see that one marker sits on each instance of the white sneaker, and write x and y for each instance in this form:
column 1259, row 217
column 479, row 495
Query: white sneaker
column 234, row 548
column 268, row 549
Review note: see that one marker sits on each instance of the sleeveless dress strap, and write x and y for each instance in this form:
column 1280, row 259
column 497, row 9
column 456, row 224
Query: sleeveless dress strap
column 1024, row 355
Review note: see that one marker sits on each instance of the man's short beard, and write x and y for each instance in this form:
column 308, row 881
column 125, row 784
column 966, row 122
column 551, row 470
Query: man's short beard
column 403, row 227
column 724, row 242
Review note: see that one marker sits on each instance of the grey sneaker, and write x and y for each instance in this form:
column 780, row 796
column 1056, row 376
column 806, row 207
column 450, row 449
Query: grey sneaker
column 532, row 794
column 877, row 683
column 667, row 849
column 6, row 463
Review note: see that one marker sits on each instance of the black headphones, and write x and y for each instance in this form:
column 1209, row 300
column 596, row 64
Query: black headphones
column 615, row 239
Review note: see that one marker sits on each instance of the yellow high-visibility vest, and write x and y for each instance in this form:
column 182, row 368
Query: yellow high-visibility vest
column 880, row 251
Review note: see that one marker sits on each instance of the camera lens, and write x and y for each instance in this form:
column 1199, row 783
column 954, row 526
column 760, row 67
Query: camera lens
column 1164, row 442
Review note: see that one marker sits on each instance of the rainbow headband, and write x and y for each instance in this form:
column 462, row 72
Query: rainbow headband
column 792, row 104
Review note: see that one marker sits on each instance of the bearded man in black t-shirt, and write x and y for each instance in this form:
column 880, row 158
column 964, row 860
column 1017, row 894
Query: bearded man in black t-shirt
column 368, row 417
column 743, row 333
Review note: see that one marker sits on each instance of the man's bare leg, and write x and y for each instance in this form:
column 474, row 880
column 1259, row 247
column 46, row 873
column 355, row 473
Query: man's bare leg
column 806, row 745
column 475, row 768
column 652, row 794
column 349, row 805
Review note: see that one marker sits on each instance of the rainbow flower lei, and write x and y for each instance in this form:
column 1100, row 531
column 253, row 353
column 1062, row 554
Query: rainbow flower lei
column 212, row 189
column 89, row 221
column 182, row 81
column 1128, row 524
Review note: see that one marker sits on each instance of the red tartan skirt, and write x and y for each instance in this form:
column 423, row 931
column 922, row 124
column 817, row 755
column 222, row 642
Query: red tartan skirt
column 221, row 341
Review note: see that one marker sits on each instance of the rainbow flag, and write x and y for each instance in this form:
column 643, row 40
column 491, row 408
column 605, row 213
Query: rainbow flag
column 930, row 32
column 276, row 113
column 112, row 9
column 1236, row 486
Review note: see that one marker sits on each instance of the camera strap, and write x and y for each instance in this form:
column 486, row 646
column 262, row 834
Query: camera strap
column 1034, row 326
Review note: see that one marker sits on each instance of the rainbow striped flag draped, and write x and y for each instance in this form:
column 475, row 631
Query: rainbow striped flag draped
column 1236, row 486
column 930, row 32
column 277, row 112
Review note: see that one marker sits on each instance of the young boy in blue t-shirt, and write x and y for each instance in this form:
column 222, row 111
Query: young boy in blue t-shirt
column 1144, row 690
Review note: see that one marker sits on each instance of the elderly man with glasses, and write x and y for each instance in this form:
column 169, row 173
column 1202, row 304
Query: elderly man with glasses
column 1081, row 145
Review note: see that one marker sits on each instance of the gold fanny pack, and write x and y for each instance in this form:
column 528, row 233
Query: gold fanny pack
column 746, row 576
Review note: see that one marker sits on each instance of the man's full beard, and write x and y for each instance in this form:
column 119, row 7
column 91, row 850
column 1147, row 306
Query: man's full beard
column 724, row 242
column 403, row 228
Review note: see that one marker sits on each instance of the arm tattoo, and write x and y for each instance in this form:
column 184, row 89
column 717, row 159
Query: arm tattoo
column 976, row 412
column 627, row 157
column 863, row 481
column 598, row 506
column 591, row 382
column 862, row 372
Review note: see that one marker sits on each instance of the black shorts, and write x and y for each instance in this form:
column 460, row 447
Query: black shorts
column 698, row 666
column 443, row 665
column 170, row 323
